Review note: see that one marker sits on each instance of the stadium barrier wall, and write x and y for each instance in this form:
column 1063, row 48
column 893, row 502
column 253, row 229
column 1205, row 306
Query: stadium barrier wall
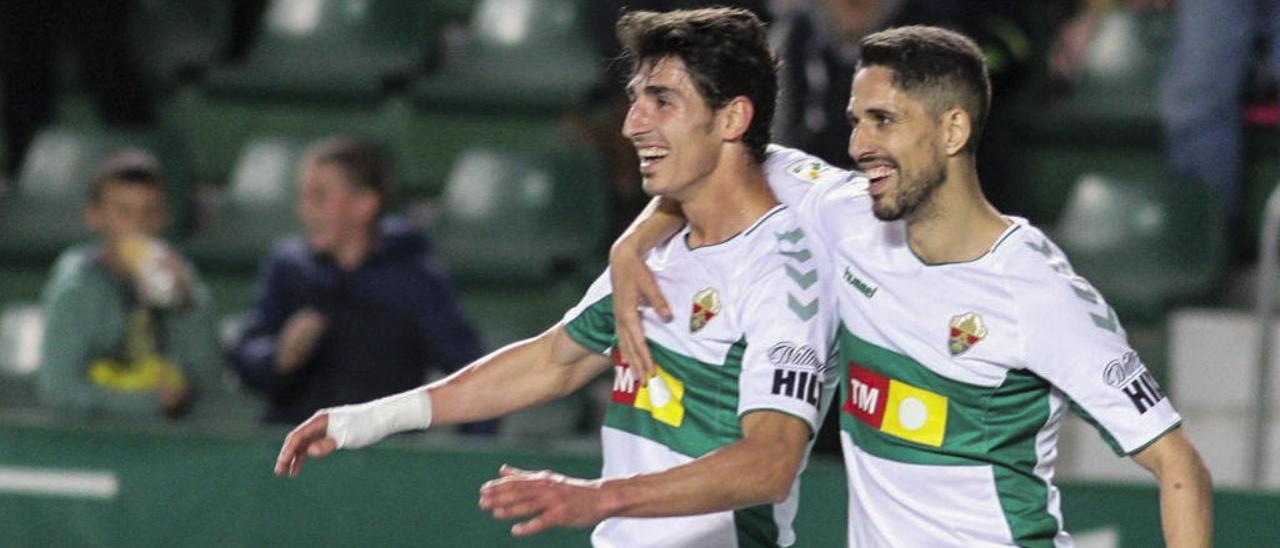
column 95, row 483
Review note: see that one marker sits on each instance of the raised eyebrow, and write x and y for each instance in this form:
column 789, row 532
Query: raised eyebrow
column 663, row 91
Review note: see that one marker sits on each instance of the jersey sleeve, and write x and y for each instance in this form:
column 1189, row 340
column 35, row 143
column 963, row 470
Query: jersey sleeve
column 789, row 324
column 793, row 174
column 590, row 322
column 1073, row 339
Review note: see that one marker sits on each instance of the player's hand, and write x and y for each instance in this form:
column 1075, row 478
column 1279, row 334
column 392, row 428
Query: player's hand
column 298, row 339
column 185, row 297
column 633, row 287
column 309, row 439
column 553, row 499
column 174, row 398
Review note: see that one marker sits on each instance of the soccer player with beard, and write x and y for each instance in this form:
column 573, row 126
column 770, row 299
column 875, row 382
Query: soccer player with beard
column 965, row 335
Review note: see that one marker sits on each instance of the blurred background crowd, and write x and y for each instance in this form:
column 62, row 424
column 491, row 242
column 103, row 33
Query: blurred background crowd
column 239, row 211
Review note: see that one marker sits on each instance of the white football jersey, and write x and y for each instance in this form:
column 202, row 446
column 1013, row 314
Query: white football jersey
column 954, row 377
column 754, row 330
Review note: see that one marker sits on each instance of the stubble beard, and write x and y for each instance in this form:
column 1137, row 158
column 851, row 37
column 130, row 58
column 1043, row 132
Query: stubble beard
column 911, row 196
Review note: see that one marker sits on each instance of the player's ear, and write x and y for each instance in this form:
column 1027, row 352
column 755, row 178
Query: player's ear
column 957, row 129
column 735, row 118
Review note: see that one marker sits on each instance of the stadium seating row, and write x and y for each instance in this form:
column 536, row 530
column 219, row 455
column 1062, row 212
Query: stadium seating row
column 325, row 66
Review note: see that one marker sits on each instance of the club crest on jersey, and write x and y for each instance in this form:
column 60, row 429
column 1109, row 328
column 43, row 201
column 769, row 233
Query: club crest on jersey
column 809, row 169
column 706, row 304
column 966, row 330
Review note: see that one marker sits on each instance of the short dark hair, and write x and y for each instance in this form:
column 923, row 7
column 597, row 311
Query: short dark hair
column 128, row 166
column 726, row 51
column 364, row 161
column 943, row 68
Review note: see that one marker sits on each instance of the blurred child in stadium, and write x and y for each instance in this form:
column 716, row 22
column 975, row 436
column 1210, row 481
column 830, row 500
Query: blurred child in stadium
column 356, row 308
column 128, row 324
column 704, row 450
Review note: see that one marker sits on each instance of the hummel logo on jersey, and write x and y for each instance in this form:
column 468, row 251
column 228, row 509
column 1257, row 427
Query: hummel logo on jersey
column 966, row 330
column 895, row 407
column 628, row 391
column 863, row 287
column 1131, row 377
column 706, row 304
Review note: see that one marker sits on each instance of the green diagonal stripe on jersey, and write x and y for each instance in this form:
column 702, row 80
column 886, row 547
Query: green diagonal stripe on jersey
column 972, row 430
column 710, row 390
column 994, row 427
column 594, row 327
column 802, row 279
column 710, row 402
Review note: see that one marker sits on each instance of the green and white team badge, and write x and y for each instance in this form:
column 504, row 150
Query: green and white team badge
column 966, row 330
column 706, row 304
column 808, row 169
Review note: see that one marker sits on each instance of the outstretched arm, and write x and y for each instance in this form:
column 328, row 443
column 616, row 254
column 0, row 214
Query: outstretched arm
column 760, row 468
column 515, row 377
column 1186, row 497
column 633, row 283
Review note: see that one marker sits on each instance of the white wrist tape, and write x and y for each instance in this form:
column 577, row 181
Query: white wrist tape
column 356, row 426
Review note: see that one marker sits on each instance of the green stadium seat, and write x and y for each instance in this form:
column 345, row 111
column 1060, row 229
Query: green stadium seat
column 1051, row 172
column 522, row 231
column 1144, row 240
column 44, row 213
column 519, row 54
column 507, row 313
column 320, row 67
column 523, row 215
column 428, row 143
column 219, row 127
column 332, row 48
column 21, row 332
column 454, row 10
column 177, row 38
column 258, row 210
column 1115, row 98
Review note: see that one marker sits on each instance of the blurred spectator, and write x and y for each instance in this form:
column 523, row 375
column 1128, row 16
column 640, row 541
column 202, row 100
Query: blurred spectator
column 99, row 33
column 1200, row 95
column 816, row 41
column 356, row 308
column 129, row 327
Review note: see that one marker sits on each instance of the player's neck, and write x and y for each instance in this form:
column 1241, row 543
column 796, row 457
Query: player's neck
column 958, row 224
column 728, row 202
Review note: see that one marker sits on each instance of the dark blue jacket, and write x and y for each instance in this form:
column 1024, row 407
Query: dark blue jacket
column 389, row 321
